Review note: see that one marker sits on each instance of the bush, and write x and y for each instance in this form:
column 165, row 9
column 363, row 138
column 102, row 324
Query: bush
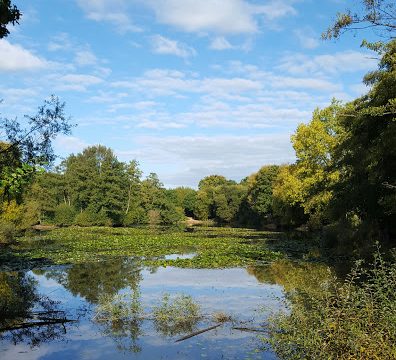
column 7, row 231
column 355, row 319
column 64, row 215
column 90, row 218
column 136, row 216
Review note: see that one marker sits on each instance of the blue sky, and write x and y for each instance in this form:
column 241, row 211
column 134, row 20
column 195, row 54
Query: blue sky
column 189, row 88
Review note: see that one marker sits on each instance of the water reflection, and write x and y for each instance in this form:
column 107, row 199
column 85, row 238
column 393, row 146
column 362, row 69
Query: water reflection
column 233, row 291
column 27, row 316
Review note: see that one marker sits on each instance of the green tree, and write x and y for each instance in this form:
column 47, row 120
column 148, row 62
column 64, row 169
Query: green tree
column 97, row 182
column 9, row 13
column 378, row 15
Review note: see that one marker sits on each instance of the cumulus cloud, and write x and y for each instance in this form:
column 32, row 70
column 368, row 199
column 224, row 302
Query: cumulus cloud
column 77, row 82
column 112, row 11
column 69, row 144
column 85, row 57
column 14, row 57
column 341, row 62
column 220, row 43
column 231, row 16
column 232, row 156
column 307, row 38
column 163, row 45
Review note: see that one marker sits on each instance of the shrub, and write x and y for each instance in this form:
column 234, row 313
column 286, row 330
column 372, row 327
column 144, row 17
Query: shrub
column 7, row 231
column 136, row 216
column 355, row 319
column 64, row 215
column 90, row 218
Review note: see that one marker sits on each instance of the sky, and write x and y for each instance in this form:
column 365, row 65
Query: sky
column 189, row 88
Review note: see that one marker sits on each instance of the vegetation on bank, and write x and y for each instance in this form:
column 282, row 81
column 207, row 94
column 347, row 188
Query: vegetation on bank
column 354, row 319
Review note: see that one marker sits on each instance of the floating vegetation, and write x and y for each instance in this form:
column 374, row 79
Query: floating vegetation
column 214, row 247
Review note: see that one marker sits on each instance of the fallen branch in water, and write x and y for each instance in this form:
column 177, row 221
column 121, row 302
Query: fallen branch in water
column 198, row 332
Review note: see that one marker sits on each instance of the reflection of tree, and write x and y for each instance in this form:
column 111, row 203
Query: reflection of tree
column 26, row 316
column 92, row 280
column 305, row 276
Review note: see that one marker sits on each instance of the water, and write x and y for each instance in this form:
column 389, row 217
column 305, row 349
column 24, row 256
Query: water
column 78, row 288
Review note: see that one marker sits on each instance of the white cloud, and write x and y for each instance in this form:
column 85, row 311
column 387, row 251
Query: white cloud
column 219, row 16
column 163, row 45
column 112, row 11
column 77, row 82
column 346, row 61
column 85, row 57
column 307, row 38
column 232, row 156
column 60, row 42
column 220, row 43
column 69, row 144
column 16, row 58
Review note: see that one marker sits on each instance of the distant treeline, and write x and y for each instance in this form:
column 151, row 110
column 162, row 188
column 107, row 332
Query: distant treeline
column 342, row 183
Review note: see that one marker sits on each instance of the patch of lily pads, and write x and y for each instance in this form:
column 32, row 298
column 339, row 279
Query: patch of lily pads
column 211, row 247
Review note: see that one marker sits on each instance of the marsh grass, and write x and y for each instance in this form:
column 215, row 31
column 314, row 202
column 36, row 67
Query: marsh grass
column 176, row 315
column 354, row 319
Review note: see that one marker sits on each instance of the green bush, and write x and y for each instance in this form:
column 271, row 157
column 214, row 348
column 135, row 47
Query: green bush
column 136, row 216
column 7, row 231
column 90, row 218
column 64, row 215
column 355, row 319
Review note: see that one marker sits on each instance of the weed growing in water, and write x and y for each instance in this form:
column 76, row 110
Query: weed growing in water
column 176, row 315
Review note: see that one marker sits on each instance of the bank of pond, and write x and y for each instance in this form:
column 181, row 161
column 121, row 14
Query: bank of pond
column 214, row 293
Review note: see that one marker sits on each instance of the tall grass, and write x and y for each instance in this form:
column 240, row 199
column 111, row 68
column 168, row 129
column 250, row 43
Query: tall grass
column 354, row 319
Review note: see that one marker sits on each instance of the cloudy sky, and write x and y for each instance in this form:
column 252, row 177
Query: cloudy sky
column 189, row 88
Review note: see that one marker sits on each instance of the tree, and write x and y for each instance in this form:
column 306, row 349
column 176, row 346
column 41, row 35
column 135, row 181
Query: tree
column 379, row 15
column 97, row 182
column 9, row 13
column 366, row 156
column 259, row 195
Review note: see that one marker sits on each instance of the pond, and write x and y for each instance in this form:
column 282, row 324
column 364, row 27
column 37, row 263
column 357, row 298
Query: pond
column 235, row 277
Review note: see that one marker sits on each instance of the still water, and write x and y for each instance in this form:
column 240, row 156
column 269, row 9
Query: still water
column 245, row 294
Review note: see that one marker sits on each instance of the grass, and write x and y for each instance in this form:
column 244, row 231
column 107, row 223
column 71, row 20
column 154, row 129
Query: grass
column 176, row 315
column 214, row 247
column 354, row 319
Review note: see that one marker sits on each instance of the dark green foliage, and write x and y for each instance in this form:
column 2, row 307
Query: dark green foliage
column 89, row 217
column 367, row 153
column 96, row 179
column 64, row 215
column 9, row 13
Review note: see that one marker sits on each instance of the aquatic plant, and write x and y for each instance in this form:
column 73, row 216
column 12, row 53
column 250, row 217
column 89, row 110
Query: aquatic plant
column 176, row 315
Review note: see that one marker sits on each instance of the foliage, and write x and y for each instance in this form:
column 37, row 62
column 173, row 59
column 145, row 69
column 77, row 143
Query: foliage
column 34, row 142
column 91, row 218
column 7, row 231
column 9, row 13
column 355, row 319
column 379, row 15
column 64, row 215
column 366, row 154
column 176, row 315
